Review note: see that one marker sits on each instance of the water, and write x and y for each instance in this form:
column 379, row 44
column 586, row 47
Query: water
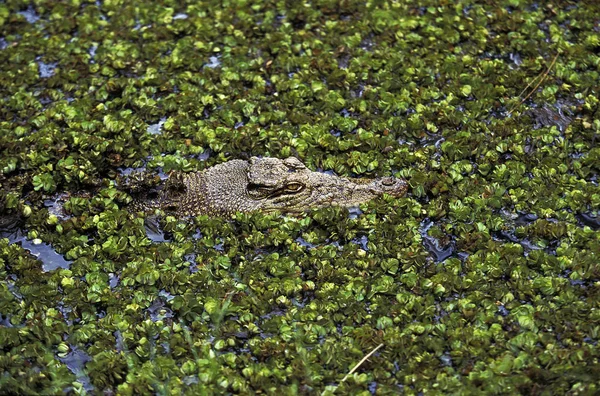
column 156, row 129
column 44, row 252
column 46, row 69
column 75, row 361
column 181, row 15
column 30, row 15
column 153, row 231
column 433, row 245
column 213, row 62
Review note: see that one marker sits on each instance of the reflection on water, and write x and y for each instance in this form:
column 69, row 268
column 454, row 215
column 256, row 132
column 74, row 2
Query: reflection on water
column 433, row 245
column 30, row 15
column 75, row 361
column 42, row 251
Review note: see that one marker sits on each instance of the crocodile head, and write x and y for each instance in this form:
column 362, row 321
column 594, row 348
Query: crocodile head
column 288, row 185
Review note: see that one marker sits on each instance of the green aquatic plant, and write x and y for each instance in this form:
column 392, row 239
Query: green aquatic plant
column 482, row 278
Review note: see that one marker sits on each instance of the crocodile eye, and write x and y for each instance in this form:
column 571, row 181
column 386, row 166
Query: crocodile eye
column 294, row 187
column 388, row 181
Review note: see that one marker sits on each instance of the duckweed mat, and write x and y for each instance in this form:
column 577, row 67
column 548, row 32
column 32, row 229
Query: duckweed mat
column 485, row 277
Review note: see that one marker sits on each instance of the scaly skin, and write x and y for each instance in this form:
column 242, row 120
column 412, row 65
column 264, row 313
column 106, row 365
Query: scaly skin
column 263, row 184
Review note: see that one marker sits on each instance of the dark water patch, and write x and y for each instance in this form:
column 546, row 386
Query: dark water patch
column 358, row 92
column 299, row 303
column 581, row 283
column 75, row 361
column 525, row 218
column 302, row 242
column 440, row 313
column 5, row 321
column 46, row 70
column 154, row 232
column 509, row 236
column 434, row 246
column 156, row 129
column 130, row 171
column 205, row 155
column 515, row 58
column 45, row 100
column 92, row 52
column 361, row 241
column 157, row 311
column 119, row 341
column 66, row 312
column 30, row 15
column 166, row 295
column 343, row 61
column 354, row 212
column 44, row 252
column 548, row 116
column 56, row 204
column 166, row 347
column 180, row 15
column 140, row 171
column 336, row 244
column 503, row 311
column 219, row 246
column 372, row 387
column 113, row 280
column 578, row 282
column 368, row 44
column 272, row 313
column 191, row 258
column 462, row 256
column 446, row 359
column 213, row 62
column 587, row 219
column 11, row 279
column 191, row 380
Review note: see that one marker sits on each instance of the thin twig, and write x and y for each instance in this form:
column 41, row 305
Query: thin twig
column 368, row 355
column 529, row 85
column 537, row 85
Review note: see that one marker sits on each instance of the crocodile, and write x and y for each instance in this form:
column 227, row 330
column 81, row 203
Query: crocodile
column 260, row 184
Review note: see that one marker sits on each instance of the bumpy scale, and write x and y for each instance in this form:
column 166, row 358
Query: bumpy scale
column 265, row 184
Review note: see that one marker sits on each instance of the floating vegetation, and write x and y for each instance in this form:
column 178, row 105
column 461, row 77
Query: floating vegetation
column 483, row 278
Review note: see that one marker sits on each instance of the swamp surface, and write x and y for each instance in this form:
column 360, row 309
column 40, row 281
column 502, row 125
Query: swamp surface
column 485, row 277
